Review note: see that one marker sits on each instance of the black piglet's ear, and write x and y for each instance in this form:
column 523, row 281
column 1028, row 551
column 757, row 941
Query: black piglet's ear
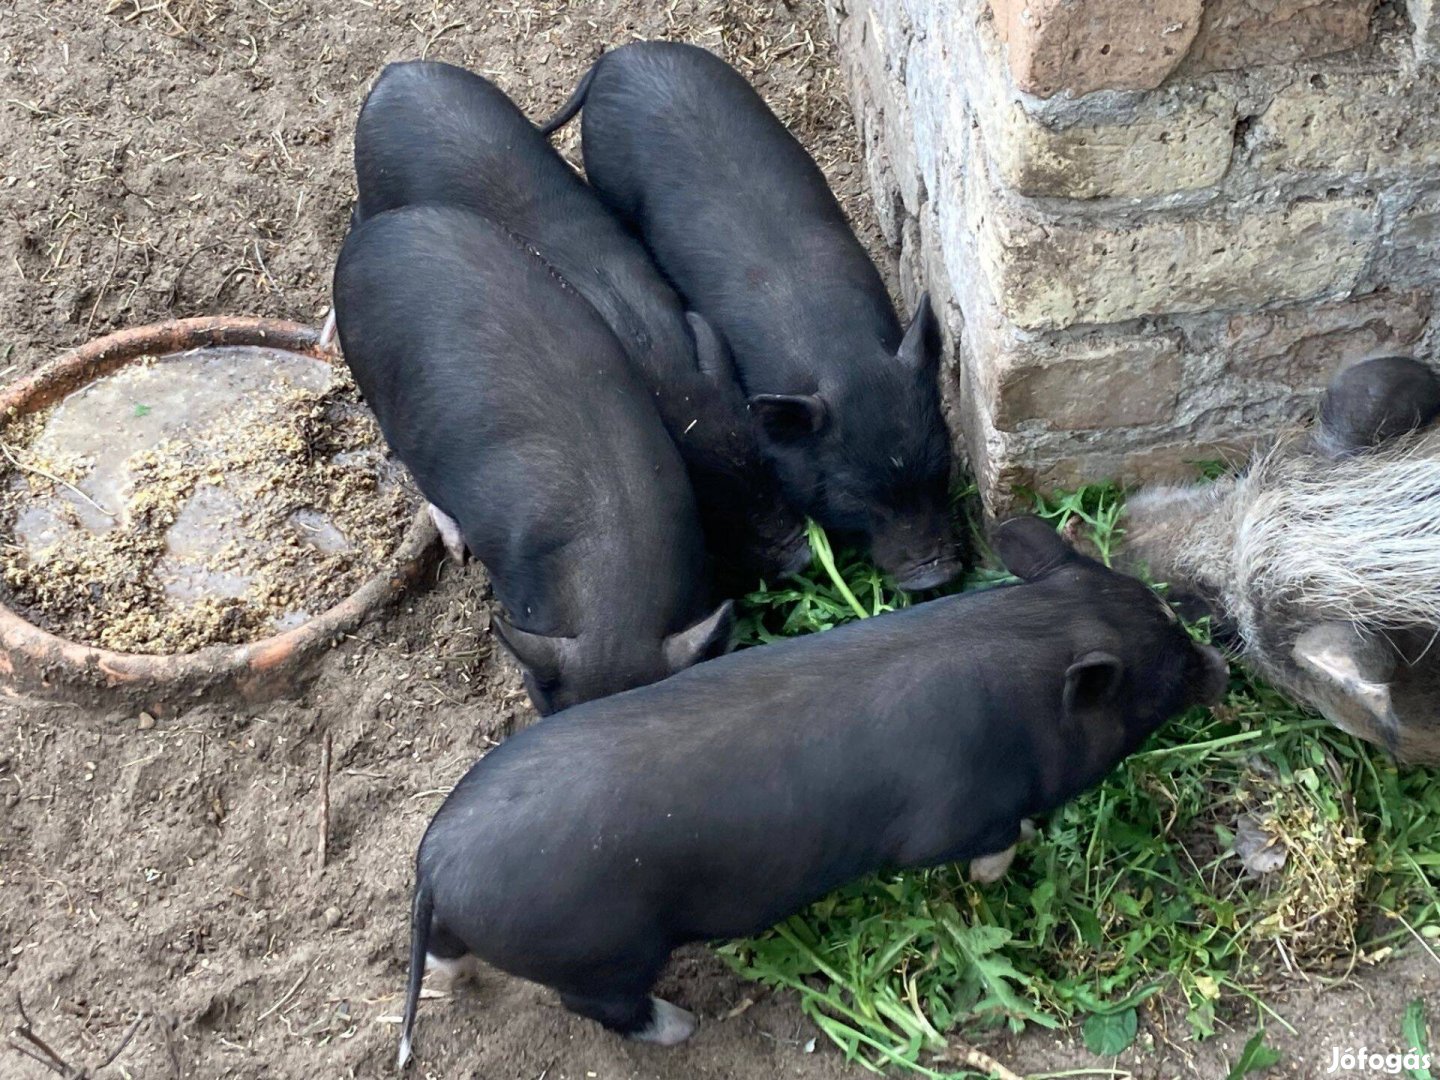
column 1029, row 548
column 1092, row 682
column 788, row 417
column 711, row 352
column 920, row 349
column 539, row 654
column 710, row 637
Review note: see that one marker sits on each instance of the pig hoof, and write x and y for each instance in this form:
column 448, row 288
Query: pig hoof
column 327, row 331
column 669, row 1024
column 991, row 868
column 1027, row 830
column 451, row 973
column 449, row 533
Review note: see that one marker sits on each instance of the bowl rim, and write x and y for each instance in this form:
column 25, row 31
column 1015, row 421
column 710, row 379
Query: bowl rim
column 36, row 662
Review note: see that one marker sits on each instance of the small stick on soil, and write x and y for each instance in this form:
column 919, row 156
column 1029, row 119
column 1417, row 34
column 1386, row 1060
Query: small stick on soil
column 1423, row 943
column 977, row 1059
column 5, row 449
column 324, row 839
column 25, row 1042
column 124, row 1042
column 105, row 285
column 288, row 994
column 437, row 35
column 266, row 270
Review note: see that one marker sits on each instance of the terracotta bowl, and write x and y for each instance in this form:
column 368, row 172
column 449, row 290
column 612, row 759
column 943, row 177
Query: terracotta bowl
column 36, row 663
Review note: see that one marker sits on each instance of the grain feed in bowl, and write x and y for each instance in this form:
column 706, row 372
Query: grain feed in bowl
column 213, row 496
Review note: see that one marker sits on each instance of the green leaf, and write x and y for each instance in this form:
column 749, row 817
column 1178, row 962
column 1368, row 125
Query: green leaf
column 142, row 410
column 1413, row 1028
column 1108, row 1034
column 1088, row 926
column 1256, row 1057
column 1201, row 1019
column 977, row 941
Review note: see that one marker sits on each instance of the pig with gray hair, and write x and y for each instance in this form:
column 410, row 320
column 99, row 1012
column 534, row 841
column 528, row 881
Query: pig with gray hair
column 1320, row 562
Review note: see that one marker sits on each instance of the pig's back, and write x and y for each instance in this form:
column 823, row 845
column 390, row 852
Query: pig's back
column 429, row 132
column 432, row 133
column 740, row 777
column 736, row 213
column 748, row 713
column 503, row 393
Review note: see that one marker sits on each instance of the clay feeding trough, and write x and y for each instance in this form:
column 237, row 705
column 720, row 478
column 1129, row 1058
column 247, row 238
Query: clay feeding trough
column 117, row 399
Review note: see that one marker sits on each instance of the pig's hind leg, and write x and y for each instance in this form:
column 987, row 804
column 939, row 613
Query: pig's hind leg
column 449, row 533
column 451, row 973
column 669, row 1024
column 447, row 960
column 988, row 869
column 616, row 992
column 641, row 1017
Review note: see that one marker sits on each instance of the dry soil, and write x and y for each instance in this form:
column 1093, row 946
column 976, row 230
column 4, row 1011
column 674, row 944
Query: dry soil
column 183, row 157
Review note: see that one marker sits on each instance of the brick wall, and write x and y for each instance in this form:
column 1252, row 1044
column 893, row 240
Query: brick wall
column 1153, row 228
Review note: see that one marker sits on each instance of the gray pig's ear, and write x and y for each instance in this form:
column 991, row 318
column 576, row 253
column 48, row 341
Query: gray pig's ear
column 1357, row 666
column 790, row 417
column 708, row 638
column 1092, row 682
column 1029, row 548
column 920, row 349
column 711, row 352
column 1371, row 402
column 542, row 656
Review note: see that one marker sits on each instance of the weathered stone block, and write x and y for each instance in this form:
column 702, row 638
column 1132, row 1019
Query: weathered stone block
column 1048, row 276
column 1352, row 124
column 1412, row 250
column 1188, row 147
column 876, row 47
column 1425, row 15
column 1247, row 33
column 1302, row 347
column 1094, row 385
column 1085, row 45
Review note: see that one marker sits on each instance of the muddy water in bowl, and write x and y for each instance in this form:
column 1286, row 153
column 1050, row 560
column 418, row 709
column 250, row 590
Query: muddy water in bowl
column 211, row 496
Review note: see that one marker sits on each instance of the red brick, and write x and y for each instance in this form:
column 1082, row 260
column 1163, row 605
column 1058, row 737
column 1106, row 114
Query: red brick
column 1085, row 45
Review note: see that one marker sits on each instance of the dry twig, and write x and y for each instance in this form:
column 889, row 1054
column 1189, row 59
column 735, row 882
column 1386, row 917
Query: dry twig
column 5, row 449
column 26, row 1042
column 973, row 1058
column 324, row 838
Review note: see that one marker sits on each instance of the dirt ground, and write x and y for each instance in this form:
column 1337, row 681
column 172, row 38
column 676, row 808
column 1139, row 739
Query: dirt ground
column 182, row 157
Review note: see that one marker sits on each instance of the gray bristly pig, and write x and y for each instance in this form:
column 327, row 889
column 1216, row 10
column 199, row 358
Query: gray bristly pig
column 581, row 851
column 741, row 220
column 1321, row 561
column 435, row 133
column 514, row 409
